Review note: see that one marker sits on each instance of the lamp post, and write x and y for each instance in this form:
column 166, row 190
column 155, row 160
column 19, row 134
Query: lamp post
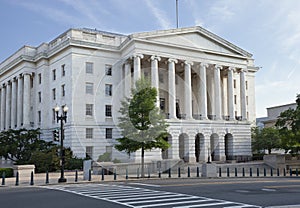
column 62, row 118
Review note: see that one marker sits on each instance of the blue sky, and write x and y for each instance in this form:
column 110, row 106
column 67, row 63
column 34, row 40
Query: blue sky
column 268, row 29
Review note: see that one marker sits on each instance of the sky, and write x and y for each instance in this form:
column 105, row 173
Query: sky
column 268, row 29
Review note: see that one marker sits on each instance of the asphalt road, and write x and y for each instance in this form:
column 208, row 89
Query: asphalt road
column 231, row 192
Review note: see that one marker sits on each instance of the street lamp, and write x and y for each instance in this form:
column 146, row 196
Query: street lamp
column 62, row 118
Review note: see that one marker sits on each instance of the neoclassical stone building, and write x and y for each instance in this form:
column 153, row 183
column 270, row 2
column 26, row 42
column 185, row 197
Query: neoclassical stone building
column 205, row 84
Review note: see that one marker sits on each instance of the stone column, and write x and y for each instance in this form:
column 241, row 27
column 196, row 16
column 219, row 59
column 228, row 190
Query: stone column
column 127, row 79
column 173, row 152
column 8, row 106
column 154, row 76
column 230, row 93
column 20, row 102
column 172, row 88
column 26, row 101
column 217, row 85
column 13, row 103
column 3, row 105
column 188, row 89
column 203, row 91
column 243, row 94
column 137, row 67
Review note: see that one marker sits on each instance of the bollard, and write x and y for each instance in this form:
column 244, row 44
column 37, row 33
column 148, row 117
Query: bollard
column 291, row 172
column 284, row 172
column 265, row 172
column 198, row 175
column 235, row 172
column 3, row 179
column 243, row 172
column 278, row 173
column 115, row 174
column 296, row 171
column 228, row 174
column 148, row 172
column 126, row 174
column 220, row 172
column 159, row 173
column 138, row 173
column 102, row 174
column 271, row 171
column 257, row 172
column 17, row 179
column 189, row 172
column 31, row 179
column 169, row 172
column 250, row 172
column 76, row 175
column 47, row 177
column 179, row 172
column 90, row 175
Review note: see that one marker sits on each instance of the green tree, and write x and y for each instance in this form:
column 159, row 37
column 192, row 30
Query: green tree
column 288, row 123
column 142, row 126
column 19, row 145
column 265, row 139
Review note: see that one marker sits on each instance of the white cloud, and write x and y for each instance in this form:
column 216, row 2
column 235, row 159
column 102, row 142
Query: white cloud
column 160, row 15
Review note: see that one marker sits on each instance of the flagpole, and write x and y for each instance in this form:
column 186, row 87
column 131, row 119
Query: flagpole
column 177, row 13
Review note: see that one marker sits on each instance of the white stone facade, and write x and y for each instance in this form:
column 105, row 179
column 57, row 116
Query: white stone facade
column 206, row 90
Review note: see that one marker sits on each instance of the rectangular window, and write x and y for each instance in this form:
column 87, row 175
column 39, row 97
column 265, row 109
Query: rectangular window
column 108, row 109
column 108, row 70
column 89, row 109
column 108, row 133
column 89, row 88
column 39, row 116
column 40, row 78
column 40, row 97
column 63, row 70
column 54, row 74
column 235, row 99
column 246, row 83
column 54, row 94
column 246, row 100
column 53, row 115
column 89, row 133
column 63, row 92
column 89, row 151
column 108, row 89
column 162, row 104
column 89, row 67
column 161, row 77
column 234, row 83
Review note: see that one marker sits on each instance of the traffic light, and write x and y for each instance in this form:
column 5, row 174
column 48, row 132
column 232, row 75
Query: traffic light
column 56, row 135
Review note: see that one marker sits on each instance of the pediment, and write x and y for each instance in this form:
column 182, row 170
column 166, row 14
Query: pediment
column 196, row 39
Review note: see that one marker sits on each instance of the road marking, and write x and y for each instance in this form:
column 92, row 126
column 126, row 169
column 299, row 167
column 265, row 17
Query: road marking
column 136, row 197
column 144, row 184
column 286, row 206
column 264, row 189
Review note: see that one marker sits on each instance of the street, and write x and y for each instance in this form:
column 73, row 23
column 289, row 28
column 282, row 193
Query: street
column 180, row 193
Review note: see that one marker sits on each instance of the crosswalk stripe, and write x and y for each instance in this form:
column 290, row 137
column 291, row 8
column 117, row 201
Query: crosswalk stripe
column 143, row 198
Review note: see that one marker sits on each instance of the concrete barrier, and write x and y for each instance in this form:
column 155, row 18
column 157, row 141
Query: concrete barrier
column 24, row 170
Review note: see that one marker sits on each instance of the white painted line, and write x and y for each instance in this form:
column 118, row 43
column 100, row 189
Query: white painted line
column 137, row 195
column 151, row 197
column 268, row 189
column 206, row 205
column 182, row 202
column 286, row 206
column 244, row 205
column 165, row 200
column 145, row 184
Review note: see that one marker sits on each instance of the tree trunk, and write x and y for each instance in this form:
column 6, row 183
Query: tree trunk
column 143, row 163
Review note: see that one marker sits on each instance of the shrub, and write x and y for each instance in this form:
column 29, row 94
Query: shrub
column 9, row 172
column 106, row 157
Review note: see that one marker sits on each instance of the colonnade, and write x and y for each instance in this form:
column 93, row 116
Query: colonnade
column 15, row 102
column 201, row 70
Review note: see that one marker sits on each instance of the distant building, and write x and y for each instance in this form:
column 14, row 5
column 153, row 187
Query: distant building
column 205, row 83
column 273, row 113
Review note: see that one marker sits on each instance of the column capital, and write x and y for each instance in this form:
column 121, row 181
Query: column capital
column 243, row 70
column 154, row 57
column 170, row 60
column 231, row 68
column 138, row 55
column 218, row 67
column 203, row 65
column 187, row 62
